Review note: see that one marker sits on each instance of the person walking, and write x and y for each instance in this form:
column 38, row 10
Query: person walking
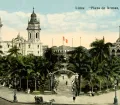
column 66, row 82
column 74, row 97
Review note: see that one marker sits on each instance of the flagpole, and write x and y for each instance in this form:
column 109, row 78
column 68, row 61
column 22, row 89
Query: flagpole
column 80, row 41
column 63, row 41
column 72, row 42
column 52, row 42
column 63, row 44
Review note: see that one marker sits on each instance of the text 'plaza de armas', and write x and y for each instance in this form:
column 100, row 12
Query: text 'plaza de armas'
column 34, row 46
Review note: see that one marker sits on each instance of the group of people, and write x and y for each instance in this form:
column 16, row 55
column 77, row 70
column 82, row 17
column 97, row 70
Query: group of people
column 74, row 95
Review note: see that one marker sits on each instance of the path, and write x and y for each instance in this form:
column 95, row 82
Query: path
column 64, row 89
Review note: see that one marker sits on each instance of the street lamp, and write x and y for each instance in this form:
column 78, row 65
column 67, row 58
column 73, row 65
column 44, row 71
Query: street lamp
column 50, row 80
column 115, row 98
column 76, row 82
column 15, row 97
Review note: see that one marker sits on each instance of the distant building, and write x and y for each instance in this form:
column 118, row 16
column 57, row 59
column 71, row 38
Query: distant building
column 115, row 49
column 44, row 47
column 30, row 46
column 62, row 50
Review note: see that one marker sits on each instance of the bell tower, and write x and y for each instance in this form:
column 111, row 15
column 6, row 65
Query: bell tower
column 33, row 28
column 0, row 29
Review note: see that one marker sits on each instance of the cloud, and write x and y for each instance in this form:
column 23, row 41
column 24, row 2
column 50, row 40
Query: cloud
column 88, row 24
column 63, row 22
column 100, row 13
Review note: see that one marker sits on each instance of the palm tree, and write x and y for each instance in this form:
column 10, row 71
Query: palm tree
column 80, row 61
column 13, row 68
column 1, row 52
column 14, row 51
column 52, row 58
column 112, row 69
column 100, row 49
column 94, row 76
column 28, row 65
column 35, row 75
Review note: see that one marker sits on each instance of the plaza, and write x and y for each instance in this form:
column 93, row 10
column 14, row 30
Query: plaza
column 103, row 99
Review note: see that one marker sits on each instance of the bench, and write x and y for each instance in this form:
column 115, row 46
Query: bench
column 47, row 92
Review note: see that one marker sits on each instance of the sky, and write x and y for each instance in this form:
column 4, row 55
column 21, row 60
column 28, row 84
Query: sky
column 84, row 21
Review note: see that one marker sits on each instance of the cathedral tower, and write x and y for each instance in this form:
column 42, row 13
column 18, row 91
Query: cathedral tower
column 33, row 29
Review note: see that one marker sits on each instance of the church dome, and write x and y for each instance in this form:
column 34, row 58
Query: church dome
column 118, row 40
column 33, row 19
column 33, row 14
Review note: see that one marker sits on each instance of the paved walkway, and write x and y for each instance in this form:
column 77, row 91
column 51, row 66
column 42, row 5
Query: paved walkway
column 24, row 97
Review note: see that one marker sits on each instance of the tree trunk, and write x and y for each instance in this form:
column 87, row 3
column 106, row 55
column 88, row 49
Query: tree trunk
column 92, row 88
column 27, row 83
column 107, row 86
column 8, row 81
column 50, row 84
column 20, row 83
column 35, row 84
column 79, row 84
column 100, row 85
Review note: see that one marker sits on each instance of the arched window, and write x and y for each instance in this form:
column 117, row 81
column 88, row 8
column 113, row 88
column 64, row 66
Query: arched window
column 118, row 51
column 113, row 52
column 30, row 35
column 29, row 46
column 36, row 35
column 8, row 45
column 38, row 46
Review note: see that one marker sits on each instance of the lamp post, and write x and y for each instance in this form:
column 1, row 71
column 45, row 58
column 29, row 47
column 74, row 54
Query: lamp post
column 15, row 97
column 50, row 80
column 115, row 98
column 76, row 84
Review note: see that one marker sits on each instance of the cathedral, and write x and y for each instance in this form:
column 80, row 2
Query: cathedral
column 31, row 46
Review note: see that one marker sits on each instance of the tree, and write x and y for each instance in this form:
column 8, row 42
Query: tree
column 94, row 76
column 14, row 51
column 1, row 52
column 52, row 58
column 80, row 61
column 100, row 52
column 100, row 49
column 112, row 69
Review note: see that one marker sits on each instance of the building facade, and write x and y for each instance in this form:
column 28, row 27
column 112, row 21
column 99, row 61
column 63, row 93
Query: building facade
column 115, row 49
column 31, row 46
column 63, row 50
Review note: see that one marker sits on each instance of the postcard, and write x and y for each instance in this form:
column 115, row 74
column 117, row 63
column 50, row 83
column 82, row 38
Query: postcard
column 59, row 51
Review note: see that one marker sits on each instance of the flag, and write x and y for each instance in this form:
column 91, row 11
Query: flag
column 66, row 41
column 63, row 38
